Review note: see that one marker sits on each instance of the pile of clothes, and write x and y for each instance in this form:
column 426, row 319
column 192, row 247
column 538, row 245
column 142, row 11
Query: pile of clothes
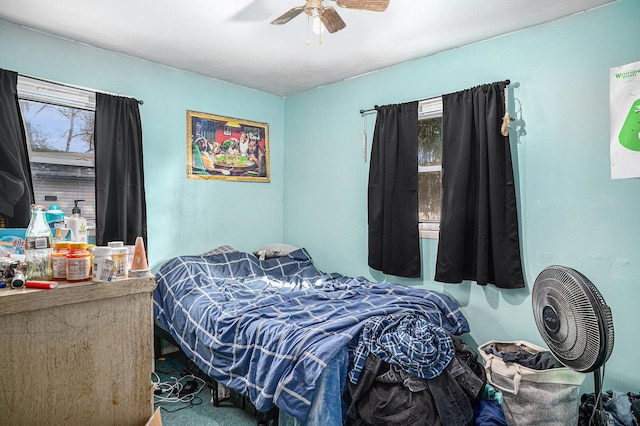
column 618, row 409
column 408, row 371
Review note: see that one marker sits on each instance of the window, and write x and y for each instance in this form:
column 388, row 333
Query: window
column 59, row 124
column 429, row 166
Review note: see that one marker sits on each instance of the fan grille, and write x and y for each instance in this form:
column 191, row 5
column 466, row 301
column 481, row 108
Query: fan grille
column 573, row 318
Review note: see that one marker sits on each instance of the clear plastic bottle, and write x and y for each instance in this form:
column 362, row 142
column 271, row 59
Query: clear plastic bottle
column 38, row 245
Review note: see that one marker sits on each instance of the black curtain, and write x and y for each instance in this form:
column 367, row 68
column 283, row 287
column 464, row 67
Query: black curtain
column 121, row 211
column 479, row 220
column 394, row 242
column 16, row 189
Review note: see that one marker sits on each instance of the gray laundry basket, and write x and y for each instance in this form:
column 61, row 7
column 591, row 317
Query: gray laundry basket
column 532, row 397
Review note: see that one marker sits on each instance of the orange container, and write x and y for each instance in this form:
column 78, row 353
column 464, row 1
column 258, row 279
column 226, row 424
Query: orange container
column 59, row 260
column 78, row 262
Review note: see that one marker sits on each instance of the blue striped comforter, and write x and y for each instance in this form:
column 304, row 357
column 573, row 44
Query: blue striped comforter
column 268, row 328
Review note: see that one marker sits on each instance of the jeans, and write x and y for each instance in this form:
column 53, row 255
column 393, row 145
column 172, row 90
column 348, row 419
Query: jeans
column 327, row 407
column 618, row 408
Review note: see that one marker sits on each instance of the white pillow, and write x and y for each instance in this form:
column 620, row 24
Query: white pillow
column 220, row 250
column 274, row 250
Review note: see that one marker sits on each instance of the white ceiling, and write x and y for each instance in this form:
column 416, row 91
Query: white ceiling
column 233, row 40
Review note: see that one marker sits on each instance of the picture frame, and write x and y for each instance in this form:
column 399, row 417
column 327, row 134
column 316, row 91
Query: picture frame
column 226, row 148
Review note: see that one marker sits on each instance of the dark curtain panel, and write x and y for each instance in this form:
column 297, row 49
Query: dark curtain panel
column 121, row 210
column 394, row 242
column 16, row 189
column 479, row 220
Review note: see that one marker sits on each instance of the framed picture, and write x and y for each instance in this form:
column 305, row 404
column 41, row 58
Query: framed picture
column 226, row 148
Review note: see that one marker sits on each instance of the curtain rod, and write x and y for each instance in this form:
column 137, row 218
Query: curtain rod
column 71, row 86
column 376, row 107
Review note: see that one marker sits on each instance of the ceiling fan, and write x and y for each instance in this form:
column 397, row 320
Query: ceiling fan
column 328, row 15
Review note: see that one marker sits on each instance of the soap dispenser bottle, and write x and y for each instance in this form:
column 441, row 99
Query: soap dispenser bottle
column 77, row 224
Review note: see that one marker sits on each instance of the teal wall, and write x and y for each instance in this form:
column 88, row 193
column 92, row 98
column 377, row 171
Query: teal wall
column 184, row 216
column 571, row 212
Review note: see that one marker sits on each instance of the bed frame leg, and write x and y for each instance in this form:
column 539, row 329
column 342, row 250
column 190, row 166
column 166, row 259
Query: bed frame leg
column 157, row 346
column 215, row 399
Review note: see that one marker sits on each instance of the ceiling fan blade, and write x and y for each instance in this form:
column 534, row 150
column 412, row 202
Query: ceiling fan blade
column 288, row 16
column 374, row 5
column 331, row 20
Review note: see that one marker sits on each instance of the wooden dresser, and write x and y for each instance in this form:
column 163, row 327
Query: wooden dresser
column 79, row 354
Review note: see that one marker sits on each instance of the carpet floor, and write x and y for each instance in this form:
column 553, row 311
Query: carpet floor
column 187, row 410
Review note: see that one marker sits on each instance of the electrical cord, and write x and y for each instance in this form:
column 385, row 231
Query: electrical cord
column 174, row 391
column 195, row 401
column 598, row 417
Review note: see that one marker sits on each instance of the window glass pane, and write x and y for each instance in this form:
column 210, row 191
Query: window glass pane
column 429, row 196
column 430, row 142
column 55, row 128
column 61, row 152
column 429, row 165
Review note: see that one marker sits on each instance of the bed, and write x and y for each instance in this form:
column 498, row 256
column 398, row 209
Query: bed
column 279, row 330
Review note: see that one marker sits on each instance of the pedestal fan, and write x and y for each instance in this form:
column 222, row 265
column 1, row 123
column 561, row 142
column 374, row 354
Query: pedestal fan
column 575, row 323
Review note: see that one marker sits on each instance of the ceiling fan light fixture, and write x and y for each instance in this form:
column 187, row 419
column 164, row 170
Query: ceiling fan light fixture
column 317, row 25
column 314, row 23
